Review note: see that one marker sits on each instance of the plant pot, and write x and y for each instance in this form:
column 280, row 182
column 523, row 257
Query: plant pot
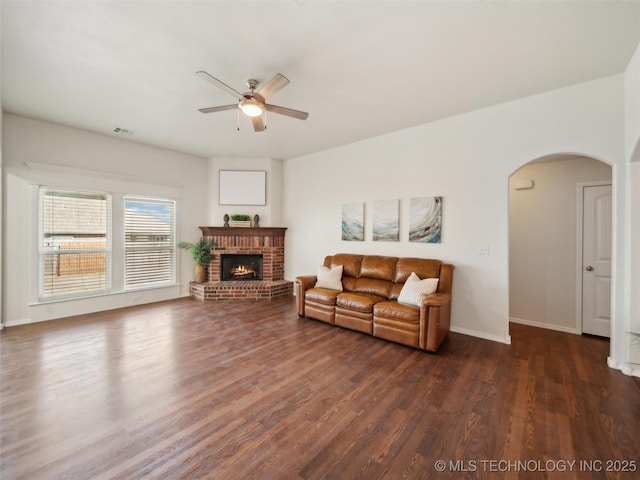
column 240, row 223
column 201, row 273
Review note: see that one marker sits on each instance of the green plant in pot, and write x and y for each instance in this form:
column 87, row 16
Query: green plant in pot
column 240, row 220
column 201, row 253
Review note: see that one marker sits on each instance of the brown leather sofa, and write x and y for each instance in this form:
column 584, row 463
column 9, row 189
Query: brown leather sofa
column 368, row 302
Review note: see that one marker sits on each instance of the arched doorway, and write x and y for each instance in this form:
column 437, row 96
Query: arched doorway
column 545, row 213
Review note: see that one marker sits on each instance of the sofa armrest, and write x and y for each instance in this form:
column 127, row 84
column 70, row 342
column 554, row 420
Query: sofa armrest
column 301, row 285
column 435, row 319
column 436, row 299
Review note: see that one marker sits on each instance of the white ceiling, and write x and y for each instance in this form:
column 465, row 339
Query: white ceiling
column 360, row 68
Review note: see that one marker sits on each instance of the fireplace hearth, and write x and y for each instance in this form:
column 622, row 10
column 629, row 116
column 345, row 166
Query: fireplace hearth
column 240, row 267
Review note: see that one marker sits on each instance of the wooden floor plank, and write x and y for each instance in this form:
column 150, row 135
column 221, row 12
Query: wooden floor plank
column 229, row 390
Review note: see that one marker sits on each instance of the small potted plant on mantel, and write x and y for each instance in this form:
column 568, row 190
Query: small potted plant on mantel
column 201, row 253
column 239, row 220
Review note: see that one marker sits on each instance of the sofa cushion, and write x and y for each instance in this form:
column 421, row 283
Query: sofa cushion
column 321, row 295
column 373, row 286
column 375, row 266
column 395, row 291
column 361, row 302
column 397, row 311
column 422, row 267
column 414, row 289
column 350, row 262
column 330, row 278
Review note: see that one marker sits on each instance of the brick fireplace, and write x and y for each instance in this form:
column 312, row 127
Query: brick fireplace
column 267, row 242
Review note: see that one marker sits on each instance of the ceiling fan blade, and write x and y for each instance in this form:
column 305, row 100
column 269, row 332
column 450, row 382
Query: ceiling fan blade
column 258, row 124
column 274, row 85
column 220, row 84
column 289, row 112
column 218, row 109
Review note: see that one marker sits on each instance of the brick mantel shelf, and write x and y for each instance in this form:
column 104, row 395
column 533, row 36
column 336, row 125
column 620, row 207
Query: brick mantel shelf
column 265, row 241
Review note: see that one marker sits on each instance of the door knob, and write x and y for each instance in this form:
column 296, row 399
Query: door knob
column 588, row 268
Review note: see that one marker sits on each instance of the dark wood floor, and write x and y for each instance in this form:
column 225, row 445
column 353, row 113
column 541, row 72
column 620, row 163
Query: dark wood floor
column 185, row 389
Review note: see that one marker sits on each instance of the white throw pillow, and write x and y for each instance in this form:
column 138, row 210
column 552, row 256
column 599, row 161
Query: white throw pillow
column 414, row 289
column 330, row 278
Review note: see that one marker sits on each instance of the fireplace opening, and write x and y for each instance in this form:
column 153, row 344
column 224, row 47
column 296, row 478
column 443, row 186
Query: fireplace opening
column 240, row 267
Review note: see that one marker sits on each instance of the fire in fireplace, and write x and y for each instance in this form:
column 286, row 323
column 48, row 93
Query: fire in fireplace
column 240, row 267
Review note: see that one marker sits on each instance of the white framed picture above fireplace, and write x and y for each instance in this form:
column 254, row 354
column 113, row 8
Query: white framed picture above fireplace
column 243, row 187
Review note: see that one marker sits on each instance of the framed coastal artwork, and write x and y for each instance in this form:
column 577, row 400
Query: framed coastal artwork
column 353, row 222
column 385, row 221
column 425, row 219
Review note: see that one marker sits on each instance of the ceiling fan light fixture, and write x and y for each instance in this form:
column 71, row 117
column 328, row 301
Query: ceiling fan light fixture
column 251, row 107
column 253, row 104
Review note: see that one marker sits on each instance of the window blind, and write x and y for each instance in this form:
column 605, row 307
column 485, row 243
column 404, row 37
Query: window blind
column 150, row 252
column 74, row 243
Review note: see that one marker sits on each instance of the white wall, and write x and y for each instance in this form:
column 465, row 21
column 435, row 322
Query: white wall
column 632, row 123
column 543, row 241
column 632, row 107
column 270, row 214
column 627, row 356
column 1, row 223
column 633, row 340
column 634, row 246
column 468, row 160
column 37, row 152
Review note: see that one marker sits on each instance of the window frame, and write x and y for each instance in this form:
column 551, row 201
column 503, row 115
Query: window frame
column 170, row 246
column 43, row 254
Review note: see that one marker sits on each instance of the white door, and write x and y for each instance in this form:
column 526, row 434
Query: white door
column 596, row 260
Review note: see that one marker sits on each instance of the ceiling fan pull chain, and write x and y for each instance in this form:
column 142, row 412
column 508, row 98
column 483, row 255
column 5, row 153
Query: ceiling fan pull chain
column 264, row 118
column 238, row 119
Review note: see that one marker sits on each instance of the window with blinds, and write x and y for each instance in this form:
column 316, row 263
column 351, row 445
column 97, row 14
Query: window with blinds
column 74, row 243
column 149, row 242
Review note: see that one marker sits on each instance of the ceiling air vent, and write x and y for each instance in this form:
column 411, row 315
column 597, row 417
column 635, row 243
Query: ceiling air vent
column 122, row 131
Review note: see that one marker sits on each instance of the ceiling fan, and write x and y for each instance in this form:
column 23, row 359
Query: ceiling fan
column 252, row 103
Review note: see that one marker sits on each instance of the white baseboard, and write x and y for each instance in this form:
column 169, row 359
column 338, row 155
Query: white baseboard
column 548, row 326
column 626, row 368
column 484, row 336
column 15, row 323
